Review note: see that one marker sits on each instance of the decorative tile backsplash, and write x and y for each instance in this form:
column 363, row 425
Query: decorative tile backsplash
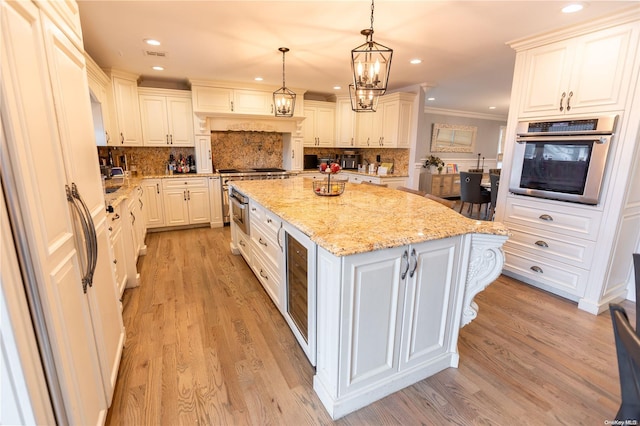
column 246, row 149
column 239, row 150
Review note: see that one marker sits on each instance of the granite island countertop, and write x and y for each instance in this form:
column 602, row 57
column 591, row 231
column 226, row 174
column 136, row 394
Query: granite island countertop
column 364, row 218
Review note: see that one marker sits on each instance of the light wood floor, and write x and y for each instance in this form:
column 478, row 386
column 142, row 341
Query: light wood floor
column 205, row 346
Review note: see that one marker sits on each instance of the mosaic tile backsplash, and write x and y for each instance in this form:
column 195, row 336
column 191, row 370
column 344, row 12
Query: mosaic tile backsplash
column 231, row 150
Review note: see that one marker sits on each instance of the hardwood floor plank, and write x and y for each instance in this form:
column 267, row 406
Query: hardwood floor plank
column 206, row 345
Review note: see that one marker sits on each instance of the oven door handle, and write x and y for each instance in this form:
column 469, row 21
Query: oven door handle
column 566, row 138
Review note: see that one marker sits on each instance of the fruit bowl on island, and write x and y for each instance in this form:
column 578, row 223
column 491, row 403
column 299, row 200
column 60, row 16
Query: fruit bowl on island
column 326, row 187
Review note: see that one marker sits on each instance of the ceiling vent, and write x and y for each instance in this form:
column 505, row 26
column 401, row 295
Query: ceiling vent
column 155, row 53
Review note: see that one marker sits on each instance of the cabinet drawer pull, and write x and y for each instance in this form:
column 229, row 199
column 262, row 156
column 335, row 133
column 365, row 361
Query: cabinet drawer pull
column 111, row 228
column 541, row 243
column 121, row 137
column 242, row 243
column 546, row 217
column 231, row 106
column 405, row 257
column 569, row 101
column 262, row 242
column 562, row 100
column 158, row 188
column 166, row 137
column 538, row 269
column 116, row 217
column 415, row 265
column 266, row 277
column 269, row 220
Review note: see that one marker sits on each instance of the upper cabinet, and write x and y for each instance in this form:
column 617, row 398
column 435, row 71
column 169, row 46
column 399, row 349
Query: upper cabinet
column 223, row 100
column 100, row 88
column 345, row 124
column 388, row 127
column 128, row 130
column 318, row 127
column 586, row 74
column 166, row 117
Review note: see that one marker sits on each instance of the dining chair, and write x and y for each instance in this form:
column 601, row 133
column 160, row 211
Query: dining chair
column 628, row 354
column 472, row 192
column 495, row 183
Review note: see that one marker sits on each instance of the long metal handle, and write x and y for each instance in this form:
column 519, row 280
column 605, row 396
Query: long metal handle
column 564, row 138
column 278, row 237
column 405, row 257
column 92, row 231
column 415, row 265
column 85, row 231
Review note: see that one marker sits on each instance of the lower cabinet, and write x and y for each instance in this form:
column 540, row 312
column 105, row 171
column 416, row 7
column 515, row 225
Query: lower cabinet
column 153, row 203
column 138, row 229
column 441, row 185
column 118, row 244
column 215, row 199
column 408, row 296
column 186, row 201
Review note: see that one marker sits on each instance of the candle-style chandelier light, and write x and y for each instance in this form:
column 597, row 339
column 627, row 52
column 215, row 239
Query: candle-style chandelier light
column 370, row 64
column 363, row 100
column 284, row 100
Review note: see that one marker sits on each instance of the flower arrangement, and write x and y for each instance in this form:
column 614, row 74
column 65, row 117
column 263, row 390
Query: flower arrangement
column 434, row 161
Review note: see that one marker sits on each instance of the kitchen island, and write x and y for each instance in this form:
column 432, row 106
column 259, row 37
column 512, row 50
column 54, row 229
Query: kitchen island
column 390, row 276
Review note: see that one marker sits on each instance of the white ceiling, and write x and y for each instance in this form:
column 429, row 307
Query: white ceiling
column 461, row 43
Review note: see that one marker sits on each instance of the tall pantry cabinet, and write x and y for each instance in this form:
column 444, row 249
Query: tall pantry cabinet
column 584, row 252
column 52, row 182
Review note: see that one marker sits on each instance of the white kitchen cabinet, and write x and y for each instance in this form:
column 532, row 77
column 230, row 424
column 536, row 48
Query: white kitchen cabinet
column 215, row 198
column 318, row 127
column 186, row 201
column 368, row 129
column 128, row 128
column 166, row 117
column 586, row 74
column 396, row 114
column 390, row 126
column 208, row 99
column 552, row 245
column 293, row 152
column 267, row 255
column 136, row 217
column 204, row 162
column 390, row 181
column 44, row 77
column 345, row 124
column 100, row 87
column 114, row 223
column 153, row 203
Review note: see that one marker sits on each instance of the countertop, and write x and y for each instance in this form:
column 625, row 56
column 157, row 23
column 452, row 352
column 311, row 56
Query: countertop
column 364, row 218
column 356, row 172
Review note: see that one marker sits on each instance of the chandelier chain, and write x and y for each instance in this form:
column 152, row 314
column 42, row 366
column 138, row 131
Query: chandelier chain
column 372, row 17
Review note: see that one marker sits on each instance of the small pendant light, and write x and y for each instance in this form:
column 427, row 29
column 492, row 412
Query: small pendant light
column 284, row 100
column 363, row 100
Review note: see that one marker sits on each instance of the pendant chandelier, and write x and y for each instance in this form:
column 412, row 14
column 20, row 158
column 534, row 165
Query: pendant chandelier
column 370, row 64
column 363, row 100
column 284, row 99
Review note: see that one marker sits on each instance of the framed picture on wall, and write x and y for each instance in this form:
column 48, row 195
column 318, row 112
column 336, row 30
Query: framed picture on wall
column 453, row 138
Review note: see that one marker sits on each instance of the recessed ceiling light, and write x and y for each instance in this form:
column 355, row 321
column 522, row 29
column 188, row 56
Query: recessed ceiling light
column 258, row 79
column 574, row 7
column 337, row 87
column 152, row 42
column 416, row 61
column 492, row 107
column 431, row 99
column 158, row 68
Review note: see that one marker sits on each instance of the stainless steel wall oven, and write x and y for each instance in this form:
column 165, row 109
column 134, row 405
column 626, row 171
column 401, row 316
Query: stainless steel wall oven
column 562, row 159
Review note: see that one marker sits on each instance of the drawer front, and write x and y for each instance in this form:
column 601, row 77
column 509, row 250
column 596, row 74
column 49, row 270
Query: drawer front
column 267, row 276
column 244, row 245
column 574, row 251
column 179, row 183
column 565, row 220
column 566, row 278
column 267, row 246
column 269, row 222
